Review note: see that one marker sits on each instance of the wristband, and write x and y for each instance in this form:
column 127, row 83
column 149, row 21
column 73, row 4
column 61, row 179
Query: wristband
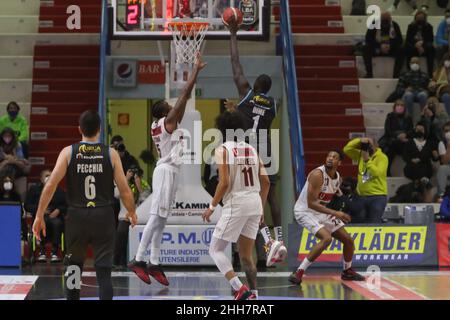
column 211, row 207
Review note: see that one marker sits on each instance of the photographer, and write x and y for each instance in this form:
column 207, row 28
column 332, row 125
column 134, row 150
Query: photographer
column 372, row 172
column 141, row 190
column 127, row 159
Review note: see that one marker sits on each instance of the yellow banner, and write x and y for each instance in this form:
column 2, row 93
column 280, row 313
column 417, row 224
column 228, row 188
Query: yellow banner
column 374, row 240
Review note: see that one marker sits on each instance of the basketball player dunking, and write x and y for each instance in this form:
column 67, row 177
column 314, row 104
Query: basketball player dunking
column 259, row 110
column 243, row 186
column 91, row 169
column 167, row 140
column 311, row 212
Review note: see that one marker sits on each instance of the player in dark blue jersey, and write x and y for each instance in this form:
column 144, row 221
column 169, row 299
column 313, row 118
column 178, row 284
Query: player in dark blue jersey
column 259, row 110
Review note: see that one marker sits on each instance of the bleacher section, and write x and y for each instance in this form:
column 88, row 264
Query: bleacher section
column 328, row 71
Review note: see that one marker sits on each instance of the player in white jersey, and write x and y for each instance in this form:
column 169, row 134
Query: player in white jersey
column 311, row 212
column 167, row 140
column 243, row 188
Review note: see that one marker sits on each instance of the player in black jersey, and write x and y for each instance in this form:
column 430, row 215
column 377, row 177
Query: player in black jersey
column 91, row 168
column 259, row 109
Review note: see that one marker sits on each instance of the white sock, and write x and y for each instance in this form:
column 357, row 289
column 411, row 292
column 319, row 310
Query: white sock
column 347, row 265
column 255, row 292
column 278, row 233
column 266, row 234
column 236, row 283
column 305, row 264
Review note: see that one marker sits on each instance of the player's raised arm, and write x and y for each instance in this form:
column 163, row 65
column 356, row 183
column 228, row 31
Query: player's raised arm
column 57, row 175
column 238, row 73
column 124, row 189
column 315, row 181
column 176, row 114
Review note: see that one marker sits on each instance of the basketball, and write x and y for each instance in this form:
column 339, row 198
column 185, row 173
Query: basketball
column 231, row 15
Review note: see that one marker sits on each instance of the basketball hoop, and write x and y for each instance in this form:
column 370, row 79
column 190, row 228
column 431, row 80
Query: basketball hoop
column 187, row 39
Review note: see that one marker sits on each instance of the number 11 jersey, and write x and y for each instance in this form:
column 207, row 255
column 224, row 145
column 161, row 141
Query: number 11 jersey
column 242, row 194
column 90, row 176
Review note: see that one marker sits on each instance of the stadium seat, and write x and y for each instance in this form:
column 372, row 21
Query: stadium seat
column 391, row 214
column 419, row 214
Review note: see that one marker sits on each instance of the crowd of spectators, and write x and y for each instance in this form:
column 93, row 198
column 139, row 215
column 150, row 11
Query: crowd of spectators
column 418, row 128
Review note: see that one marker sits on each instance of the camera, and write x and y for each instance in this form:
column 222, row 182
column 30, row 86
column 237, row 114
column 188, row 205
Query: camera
column 120, row 147
column 134, row 169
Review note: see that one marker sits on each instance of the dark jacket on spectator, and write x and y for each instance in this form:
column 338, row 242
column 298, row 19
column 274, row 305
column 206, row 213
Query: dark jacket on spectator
column 427, row 36
column 395, row 41
column 417, row 80
column 58, row 201
column 393, row 126
column 424, row 168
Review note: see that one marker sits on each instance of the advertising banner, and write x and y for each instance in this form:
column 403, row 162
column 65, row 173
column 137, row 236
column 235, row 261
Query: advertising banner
column 10, row 235
column 443, row 243
column 180, row 245
column 151, row 72
column 382, row 245
column 124, row 73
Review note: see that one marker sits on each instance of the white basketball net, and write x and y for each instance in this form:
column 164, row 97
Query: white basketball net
column 188, row 39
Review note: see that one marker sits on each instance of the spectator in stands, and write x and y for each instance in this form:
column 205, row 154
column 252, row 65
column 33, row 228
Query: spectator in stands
column 434, row 117
column 386, row 41
column 442, row 36
column 141, row 190
column 417, row 191
column 397, row 129
column 412, row 4
column 444, row 154
column 18, row 123
column 419, row 154
column 54, row 216
column 419, row 41
column 372, row 172
column 439, row 85
column 7, row 193
column 414, row 84
column 12, row 161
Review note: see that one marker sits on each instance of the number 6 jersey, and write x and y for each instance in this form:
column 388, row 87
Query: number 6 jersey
column 243, row 190
column 90, row 176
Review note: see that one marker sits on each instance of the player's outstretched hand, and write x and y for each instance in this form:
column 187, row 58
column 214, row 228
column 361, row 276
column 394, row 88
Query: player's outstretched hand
column 230, row 105
column 132, row 217
column 38, row 226
column 200, row 64
column 207, row 215
column 343, row 217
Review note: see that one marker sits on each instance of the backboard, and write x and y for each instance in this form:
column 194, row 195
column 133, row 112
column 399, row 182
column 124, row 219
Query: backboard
column 148, row 19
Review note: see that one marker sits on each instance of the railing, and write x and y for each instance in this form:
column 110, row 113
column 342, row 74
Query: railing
column 290, row 74
column 103, row 52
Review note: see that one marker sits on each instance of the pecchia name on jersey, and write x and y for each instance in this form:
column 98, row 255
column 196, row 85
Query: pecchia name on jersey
column 90, row 168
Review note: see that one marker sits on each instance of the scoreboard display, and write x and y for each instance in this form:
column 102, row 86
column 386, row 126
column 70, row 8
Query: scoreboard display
column 149, row 19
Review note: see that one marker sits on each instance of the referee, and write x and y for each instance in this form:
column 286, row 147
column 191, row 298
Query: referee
column 91, row 169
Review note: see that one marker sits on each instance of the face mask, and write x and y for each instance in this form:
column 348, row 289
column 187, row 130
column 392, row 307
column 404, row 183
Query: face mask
column 7, row 140
column 420, row 22
column 415, row 67
column 447, row 63
column 13, row 114
column 447, row 136
column 447, row 20
column 419, row 134
column 399, row 109
column 8, row 186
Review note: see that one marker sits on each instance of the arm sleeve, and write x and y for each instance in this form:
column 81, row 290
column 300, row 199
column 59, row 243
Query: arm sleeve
column 352, row 150
column 377, row 166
